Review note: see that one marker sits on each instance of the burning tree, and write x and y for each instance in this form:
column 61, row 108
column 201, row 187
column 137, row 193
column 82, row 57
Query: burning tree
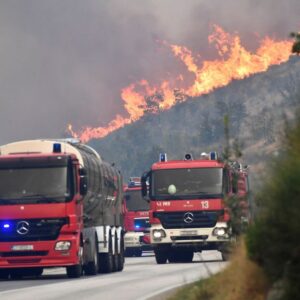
column 296, row 45
column 153, row 102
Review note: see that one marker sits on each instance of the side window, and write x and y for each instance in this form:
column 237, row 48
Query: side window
column 74, row 179
column 226, row 185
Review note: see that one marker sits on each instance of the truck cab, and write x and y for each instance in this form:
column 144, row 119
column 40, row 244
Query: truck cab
column 136, row 219
column 187, row 206
column 60, row 206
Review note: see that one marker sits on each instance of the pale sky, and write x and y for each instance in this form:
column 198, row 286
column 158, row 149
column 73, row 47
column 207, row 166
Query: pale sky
column 66, row 61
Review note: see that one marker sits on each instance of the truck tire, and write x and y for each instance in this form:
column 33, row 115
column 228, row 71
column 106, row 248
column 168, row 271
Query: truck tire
column 106, row 259
column 186, row 256
column 92, row 267
column 138, row 252
column 173, row 256
column 25, row 272
column 121, row 258
column 76, row 270
column 37, row 272
column 161, row 256
column 180, row 256
column 225, row 251
column 128, row 252
column 4, row 273
column 225, row 255
column 16, row 274
column 115, row 255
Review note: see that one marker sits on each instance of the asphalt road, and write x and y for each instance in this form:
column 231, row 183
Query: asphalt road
column 141, row 279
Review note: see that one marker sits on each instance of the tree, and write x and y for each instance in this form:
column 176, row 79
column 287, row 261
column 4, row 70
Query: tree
column 296, row 45
column 227, row 148
column 273, row 239
column 152, row 103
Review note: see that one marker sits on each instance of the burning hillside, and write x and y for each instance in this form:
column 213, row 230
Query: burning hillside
column 234, row 62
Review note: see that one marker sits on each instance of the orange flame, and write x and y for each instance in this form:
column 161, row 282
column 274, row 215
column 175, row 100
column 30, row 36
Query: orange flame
column 234, row 62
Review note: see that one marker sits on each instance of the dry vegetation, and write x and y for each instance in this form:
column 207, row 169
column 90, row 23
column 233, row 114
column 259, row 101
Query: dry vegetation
column 241, row 280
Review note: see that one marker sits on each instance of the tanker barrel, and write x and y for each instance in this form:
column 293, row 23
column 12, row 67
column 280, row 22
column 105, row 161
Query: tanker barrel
column 103, row 200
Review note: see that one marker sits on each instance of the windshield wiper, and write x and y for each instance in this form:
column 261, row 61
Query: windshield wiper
column 40, row 198
column 5, row 201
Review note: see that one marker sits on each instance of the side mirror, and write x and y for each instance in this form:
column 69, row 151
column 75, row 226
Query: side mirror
column 144, row 184
column 83, row 182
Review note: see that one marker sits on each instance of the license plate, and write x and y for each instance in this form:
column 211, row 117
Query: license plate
column 21, row 247
column 188, row 232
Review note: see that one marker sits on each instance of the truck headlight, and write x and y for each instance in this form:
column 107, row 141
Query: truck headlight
column 158, row 234
column 220, row 231
column 63, row 246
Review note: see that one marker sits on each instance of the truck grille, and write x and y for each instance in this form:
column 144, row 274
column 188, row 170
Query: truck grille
column 25, row 230
column 23, row 253
column 193, row 219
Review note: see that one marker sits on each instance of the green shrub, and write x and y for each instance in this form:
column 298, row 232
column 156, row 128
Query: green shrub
column 273, row 240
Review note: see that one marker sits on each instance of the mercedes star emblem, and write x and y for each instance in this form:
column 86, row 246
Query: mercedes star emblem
column 188, row 217
column 22, row 227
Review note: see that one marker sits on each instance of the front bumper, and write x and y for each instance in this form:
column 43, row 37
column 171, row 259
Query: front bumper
column 198, row 238
column 41, row 253
column 134, row 239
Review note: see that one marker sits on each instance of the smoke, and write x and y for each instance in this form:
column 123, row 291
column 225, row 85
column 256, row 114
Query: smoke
column 66, row 61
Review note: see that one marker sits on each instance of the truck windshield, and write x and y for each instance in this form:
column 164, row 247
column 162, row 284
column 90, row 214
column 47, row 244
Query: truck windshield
column 34, row 185
column 135, row 201
column 187, row 183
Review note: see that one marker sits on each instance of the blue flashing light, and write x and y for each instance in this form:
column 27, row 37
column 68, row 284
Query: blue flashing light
column 56, row 148
column 133, row 184
column 163, row 157
column 213, row 155
column 6, row 225
column 137, row 226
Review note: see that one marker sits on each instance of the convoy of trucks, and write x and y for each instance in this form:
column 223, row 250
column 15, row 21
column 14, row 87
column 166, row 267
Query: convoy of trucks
column 60, row 206
column 188, row 212
column 136, row 221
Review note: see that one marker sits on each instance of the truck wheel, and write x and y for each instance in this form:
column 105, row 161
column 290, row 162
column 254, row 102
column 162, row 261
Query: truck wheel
column 4, row 273
column 225, row 251
column 115, row 256
column 186, row 256
column 173, row 257
column 25, row 272
column 121, row 255
column 76, row 270
column 34, row 272
column 106, row 260
column 128, row 252
column 225, row 255
column 161, row 256
column 92, row 267
column 16, row 274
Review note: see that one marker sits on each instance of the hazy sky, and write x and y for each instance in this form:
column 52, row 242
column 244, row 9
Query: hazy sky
column 65, row 61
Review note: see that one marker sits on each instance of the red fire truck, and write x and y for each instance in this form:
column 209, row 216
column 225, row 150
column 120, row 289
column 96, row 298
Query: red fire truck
column 60, row 206
column 136, row 220
column 187, row 210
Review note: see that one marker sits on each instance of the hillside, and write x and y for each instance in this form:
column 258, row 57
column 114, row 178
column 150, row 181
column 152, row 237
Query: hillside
column 256, row 107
